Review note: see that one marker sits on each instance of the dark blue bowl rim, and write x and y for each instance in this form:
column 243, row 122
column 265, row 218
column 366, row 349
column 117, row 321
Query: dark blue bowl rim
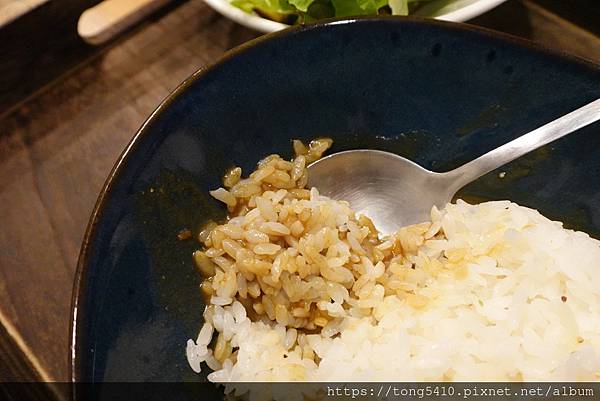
column 79, row 286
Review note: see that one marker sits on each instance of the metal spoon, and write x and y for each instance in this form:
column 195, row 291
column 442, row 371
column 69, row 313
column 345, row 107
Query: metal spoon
column 394, row 192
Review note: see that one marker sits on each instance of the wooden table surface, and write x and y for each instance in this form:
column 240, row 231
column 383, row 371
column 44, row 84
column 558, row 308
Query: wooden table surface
column 57, row 148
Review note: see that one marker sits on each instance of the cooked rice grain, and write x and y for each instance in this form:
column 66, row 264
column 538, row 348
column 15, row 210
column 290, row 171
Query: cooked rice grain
column 303, row 289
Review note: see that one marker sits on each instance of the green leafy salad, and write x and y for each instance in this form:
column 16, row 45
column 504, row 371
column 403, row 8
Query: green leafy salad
column 306, row 11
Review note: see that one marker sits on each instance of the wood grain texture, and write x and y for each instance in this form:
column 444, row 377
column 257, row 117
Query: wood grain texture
column 584, row 13
column 530, row 19
column 57, row 149
column 43, row 45
column 38, row 47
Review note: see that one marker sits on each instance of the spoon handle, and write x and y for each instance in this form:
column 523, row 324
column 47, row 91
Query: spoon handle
column 524, row 144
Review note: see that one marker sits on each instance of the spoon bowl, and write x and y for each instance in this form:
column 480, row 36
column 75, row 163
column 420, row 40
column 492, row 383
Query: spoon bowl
column 379, row 184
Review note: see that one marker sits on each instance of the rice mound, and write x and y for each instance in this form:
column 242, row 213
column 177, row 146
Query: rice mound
column 301, row 288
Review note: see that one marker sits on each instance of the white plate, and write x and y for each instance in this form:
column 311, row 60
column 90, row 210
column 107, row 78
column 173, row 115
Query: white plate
column 448, row 10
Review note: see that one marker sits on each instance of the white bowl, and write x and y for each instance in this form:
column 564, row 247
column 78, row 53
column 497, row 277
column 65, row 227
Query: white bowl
column 457, row 11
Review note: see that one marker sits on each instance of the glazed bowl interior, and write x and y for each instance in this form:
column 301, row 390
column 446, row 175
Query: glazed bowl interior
column 437, row 93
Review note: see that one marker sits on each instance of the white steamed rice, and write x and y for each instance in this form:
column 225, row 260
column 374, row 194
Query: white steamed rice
column 484, row 292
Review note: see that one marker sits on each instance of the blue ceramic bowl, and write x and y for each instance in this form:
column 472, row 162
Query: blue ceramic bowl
column 438, row 93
